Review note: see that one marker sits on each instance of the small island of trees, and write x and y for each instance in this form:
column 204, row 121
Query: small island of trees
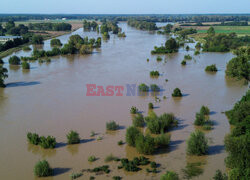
column 142, row 25
column 171, row 46
column 239, row 67
column 177, row 93
column 211, row 68
column 55, row 42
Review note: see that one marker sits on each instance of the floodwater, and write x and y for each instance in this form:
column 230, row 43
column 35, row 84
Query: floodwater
column 50, row 99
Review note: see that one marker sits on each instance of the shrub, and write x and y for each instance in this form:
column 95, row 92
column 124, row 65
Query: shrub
column 92, row 133
column 86, row 49
column 143, row 87
column 14, row 60
column 133, row 165
column 25, row 65
column 42, row 169
column 154, row 73
column 162, row 141
column 37, row 39
column 197, row 143
column 26, row 48
column 196, row 52
column 55, row 42
column 204, row 110
column 104, row 168
column 133, row 110
column 141, row 160
column 187, row 57
column 219, row 176
column 73, row 137
column 153, row 164
column 199, row 119
column 138, row 120
column 159, row 58
column 121, row 34
column 183, row 62
column 187, row 48
column 145, row 144
column 211, row 68
column 99, row 138
column 160, row 124
column 120, row 142
column 92, row 158
column 177, row 93
column 49, row 142
column 129, row 165
column 198, row 45
column 75, row 175
column 33, row 138
column 150, row 106
column 117, row 177
column 131, row 135
column 170, row 175
column 154, row 170
column 110, row 157
column 207, row 127
column 191, row 170
column 112, row 126
column 154, row 88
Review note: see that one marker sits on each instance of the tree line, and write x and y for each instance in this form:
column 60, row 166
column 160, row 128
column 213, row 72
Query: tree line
column 148, row 18
column 50, row 26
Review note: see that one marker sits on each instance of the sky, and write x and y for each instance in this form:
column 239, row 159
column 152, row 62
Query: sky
column 124, row 6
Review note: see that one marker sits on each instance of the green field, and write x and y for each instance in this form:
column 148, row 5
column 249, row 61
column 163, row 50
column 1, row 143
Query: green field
column 240, row 30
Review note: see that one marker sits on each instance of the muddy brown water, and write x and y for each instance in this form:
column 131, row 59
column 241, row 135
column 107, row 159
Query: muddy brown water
column 50, row 99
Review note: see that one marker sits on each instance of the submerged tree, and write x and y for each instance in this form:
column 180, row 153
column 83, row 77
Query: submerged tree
column 3, row 75
column 197, row 143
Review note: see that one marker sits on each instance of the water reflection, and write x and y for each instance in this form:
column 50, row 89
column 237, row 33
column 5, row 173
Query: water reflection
column 73, row 149
column 14, row 68
column 37, row 150
column 38, row 46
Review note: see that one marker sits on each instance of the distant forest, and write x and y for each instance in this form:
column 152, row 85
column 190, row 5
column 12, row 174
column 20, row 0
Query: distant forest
column 149, row 18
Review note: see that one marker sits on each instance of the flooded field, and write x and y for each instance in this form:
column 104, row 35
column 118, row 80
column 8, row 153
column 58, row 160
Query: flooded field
column 50, row 99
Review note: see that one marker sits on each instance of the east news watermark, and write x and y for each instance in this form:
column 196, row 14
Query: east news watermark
column 120, row 90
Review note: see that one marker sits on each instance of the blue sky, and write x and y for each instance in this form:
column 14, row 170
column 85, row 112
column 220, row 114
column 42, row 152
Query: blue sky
column 125, row 6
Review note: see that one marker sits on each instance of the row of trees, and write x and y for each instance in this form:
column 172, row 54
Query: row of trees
column 87, row 25
column 11, row 29
column 13, row 43
column 142, row 25
column 223, row 42
column 50, row 26
column 149, row 18
column 237, row 143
